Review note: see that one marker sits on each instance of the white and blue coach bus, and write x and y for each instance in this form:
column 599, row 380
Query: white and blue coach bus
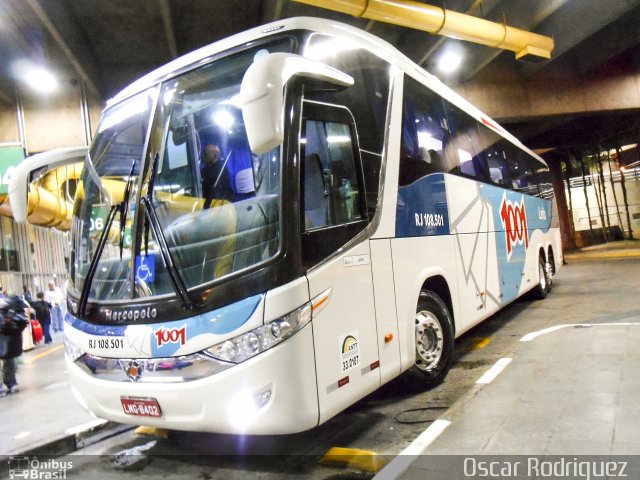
column 363, row 216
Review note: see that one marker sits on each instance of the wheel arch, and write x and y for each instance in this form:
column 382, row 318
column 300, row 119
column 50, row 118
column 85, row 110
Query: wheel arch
column 542, row 253
column 439, row 285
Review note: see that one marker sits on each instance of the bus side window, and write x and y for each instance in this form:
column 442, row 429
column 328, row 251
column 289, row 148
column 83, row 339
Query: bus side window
column 544, row 182
column 522, row 171
column 424, row 134
column 468, row 141
column 368, row 102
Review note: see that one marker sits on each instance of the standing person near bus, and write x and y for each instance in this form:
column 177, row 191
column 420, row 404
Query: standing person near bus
column 43, row 315
column 55, row 298
column 13, row 321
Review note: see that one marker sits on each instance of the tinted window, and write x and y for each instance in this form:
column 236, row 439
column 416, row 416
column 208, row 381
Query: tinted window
column 368, row 98
column 329, row 175
column 467, row 143
column 544, row 182
column 367, row 101
column 331, row 182
column 425, row 134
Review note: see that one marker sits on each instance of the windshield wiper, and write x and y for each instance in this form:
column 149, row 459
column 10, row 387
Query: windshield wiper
column 149, row 197
column 153, row 222
column 93, row 266
column 175, row 277
column 124, row 206
column 121, row 208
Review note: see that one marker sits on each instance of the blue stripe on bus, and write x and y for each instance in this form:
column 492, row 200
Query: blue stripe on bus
column 512, row 254
column 219, row 322
column 422, row 208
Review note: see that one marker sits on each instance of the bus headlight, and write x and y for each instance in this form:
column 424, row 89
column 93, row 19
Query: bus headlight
column 247, row 345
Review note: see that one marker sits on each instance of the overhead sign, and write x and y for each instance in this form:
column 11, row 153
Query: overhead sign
column 10, row 157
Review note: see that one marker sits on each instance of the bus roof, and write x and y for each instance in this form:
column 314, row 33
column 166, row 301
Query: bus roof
column 195, row 57
column 375, row 44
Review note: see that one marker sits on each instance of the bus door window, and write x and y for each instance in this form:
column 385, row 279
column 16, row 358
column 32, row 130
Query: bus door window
column 331, row 179
column 545, row 182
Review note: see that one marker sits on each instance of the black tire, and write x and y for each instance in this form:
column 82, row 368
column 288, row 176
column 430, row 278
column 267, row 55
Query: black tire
column 541, row 290
column 433, row 339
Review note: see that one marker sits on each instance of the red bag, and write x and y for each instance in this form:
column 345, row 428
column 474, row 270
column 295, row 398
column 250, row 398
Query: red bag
column 36, row 331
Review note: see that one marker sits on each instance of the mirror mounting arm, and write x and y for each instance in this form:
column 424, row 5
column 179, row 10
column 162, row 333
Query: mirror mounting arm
column 262, row 94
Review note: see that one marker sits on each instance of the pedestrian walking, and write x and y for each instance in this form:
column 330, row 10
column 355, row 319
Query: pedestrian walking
column 55, row 298
column 43, row 315
column 13, row 320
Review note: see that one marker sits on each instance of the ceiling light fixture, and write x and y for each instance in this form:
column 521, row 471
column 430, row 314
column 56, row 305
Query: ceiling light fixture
column 449, row 62
column 37, row 77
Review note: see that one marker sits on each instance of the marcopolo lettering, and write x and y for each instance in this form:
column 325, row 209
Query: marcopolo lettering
column 131, row 314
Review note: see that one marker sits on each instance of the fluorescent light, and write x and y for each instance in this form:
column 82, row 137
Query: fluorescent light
column 449, row 62
column 36, row 76
column 338, row 139
column 223, row 119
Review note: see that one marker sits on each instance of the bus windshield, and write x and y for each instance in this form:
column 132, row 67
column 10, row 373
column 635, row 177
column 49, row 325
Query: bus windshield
column 206, row 207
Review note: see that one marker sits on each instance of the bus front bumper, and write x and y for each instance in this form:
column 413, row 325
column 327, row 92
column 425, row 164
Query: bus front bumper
column 272, row 393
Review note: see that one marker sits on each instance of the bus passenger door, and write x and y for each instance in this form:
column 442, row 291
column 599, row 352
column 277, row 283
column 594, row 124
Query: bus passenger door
column 339, row 266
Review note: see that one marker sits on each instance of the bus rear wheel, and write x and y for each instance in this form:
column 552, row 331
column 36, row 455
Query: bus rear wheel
column 541, row 290
column 433, row 338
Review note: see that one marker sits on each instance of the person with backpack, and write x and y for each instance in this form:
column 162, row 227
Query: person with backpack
column 13, row 320
column 43, row 315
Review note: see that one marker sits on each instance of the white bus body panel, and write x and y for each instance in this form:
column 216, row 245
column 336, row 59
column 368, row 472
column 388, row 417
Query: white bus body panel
column 344, row 332
column 415, row 260
column 211, row 403
column 473, row 227
column 285, row 299
column 386, row 309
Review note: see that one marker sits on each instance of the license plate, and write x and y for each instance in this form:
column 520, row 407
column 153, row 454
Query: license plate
column 141, row 406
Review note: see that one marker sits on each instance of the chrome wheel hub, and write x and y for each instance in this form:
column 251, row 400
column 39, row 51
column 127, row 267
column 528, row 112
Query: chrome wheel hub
column 429, row 340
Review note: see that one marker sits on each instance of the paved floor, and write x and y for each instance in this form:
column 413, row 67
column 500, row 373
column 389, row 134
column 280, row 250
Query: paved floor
column 44, row 409
column 570, row 389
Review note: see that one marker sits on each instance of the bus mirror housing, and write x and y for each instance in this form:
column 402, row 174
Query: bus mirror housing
column 30, row 169
column 262, row 94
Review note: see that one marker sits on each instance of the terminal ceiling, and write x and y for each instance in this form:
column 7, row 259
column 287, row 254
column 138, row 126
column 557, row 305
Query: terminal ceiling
column 109, row 43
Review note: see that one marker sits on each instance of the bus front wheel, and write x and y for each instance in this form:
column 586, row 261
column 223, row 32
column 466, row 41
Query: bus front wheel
column 434, row 338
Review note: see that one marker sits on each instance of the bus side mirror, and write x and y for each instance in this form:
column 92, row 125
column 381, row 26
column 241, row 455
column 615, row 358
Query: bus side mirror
column 30, row 169
column 262, row 94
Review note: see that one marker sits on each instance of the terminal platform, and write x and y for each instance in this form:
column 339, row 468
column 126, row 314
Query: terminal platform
column 569, row 387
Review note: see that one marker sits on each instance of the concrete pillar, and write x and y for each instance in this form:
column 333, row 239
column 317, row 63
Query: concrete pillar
column 555, row 167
